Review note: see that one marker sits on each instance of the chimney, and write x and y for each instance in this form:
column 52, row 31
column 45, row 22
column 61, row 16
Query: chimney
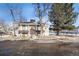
column 32, row 20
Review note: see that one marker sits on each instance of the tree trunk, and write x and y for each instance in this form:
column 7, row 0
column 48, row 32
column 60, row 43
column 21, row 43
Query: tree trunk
column 57, row 33
column 41, row 29
column 41, row 25
column 14, row 29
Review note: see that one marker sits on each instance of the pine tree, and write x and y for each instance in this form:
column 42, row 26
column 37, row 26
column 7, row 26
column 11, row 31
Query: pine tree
column 62, row 16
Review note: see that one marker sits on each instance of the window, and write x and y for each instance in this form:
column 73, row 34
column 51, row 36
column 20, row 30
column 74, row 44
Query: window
column 24, row 27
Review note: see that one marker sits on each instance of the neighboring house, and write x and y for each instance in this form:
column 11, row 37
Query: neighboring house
column 31, row 28
column 2, row 31
column 64, row 32
column 75, row 31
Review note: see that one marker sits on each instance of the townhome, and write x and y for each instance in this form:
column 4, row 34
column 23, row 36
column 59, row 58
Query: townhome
column 2, row 31
column 30, row 28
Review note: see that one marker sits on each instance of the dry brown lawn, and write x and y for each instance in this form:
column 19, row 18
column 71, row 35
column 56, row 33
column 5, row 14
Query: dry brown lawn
column 31, row 48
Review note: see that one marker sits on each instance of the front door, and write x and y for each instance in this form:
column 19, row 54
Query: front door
column 32, row 31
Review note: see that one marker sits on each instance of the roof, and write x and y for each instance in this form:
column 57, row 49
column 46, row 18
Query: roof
column 26, row 23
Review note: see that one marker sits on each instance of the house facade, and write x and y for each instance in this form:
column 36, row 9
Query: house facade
column 31, row 28
column 2, row 31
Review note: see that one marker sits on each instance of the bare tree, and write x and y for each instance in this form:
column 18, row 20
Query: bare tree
column 41, row 10
column 3, row 27
column 16, row 12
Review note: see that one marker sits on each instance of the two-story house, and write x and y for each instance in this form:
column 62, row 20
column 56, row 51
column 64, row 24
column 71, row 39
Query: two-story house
column 31, row 28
